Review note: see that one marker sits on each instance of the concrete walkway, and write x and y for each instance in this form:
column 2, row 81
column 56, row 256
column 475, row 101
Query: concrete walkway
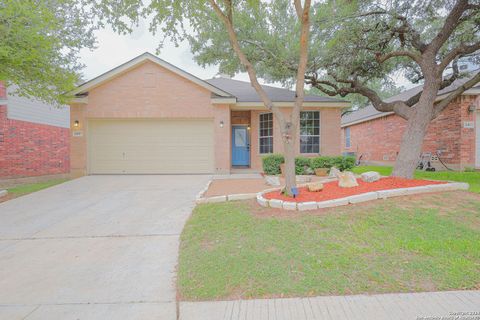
column 99, row 247
column 433, row 305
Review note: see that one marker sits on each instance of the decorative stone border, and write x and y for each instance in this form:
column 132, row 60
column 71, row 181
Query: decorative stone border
column 312, row 205
column 3, row 193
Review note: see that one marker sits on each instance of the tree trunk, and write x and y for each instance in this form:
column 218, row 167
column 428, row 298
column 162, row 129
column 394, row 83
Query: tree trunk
column 412, row 141
column 289, row 154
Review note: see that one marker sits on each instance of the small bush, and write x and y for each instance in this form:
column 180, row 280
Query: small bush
column 271, row 163
column 321, row 162
column 470, row 169
column 301, row 163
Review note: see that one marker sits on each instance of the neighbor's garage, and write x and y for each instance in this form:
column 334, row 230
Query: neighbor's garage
column 150, row 146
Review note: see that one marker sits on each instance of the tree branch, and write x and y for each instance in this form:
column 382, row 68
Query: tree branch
column 439, row 107
column 451, row 22
column 401, row 53
column 461, row 50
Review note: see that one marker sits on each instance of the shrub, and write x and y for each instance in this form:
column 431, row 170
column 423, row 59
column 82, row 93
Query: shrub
column 271, row 163
column 301, row 163
column 321, row 162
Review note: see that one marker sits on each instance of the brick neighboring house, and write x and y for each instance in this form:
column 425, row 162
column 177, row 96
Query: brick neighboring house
column 453, row 137
column 34, row 139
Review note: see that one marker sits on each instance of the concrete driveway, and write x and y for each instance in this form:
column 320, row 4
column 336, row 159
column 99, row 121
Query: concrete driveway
column 99, row 247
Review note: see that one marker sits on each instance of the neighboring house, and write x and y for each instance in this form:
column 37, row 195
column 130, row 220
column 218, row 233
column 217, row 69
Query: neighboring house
column 34, row 139
column 452, row 138
column 147, row 116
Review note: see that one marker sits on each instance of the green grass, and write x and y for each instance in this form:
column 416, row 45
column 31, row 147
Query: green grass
column 473, row 178
column 239, row 250
column 33, row 187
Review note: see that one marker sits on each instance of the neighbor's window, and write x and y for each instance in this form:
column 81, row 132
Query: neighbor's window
column 310, row 132
column 347, row 137
column 265, row 135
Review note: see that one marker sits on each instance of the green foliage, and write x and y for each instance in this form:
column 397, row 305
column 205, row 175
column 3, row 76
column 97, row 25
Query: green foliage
column 301, row 163
column 33, row 187
column 271, row 163
column 39, row 46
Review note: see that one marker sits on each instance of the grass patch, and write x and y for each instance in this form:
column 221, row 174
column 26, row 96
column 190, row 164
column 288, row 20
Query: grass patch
column 473, row 178
column 423, row 243
column 33, row 187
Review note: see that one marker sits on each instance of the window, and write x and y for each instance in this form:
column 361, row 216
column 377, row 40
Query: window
column 310, row 132
column 347, row 137
column 265, row 135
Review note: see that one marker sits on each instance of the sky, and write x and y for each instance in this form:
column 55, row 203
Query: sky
column 114, row 49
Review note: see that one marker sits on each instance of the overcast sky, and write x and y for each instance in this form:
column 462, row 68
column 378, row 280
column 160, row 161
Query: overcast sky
column 114, row 49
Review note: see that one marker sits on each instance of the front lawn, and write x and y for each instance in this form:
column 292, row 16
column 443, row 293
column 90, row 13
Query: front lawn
column 417, row 243
column 473, row 178
column 24, row 189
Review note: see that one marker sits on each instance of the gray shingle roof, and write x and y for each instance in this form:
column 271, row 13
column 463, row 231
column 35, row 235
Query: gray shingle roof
column 369, row 111
column 244, row 92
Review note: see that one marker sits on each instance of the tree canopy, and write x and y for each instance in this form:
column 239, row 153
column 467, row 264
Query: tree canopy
column 39, row 45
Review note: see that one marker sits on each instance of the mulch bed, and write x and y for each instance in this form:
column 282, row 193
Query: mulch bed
column 331, row 190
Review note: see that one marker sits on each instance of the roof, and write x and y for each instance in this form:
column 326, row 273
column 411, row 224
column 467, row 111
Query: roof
column 244, row 92
column 370, row 113
column 84, row 87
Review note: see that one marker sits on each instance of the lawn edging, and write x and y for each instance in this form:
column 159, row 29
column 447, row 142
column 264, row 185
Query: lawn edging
column 368, row 196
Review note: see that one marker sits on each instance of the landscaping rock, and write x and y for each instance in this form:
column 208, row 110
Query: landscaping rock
column 262, row 201
column 289, row 205
column 241, row 196
column 347, row 180
column 315, row 186
column 274, row 203
column 370, row 176
column 3, row 193
column 303, row 179
column 272, row 180
column 215, row 199
column 333, row 203
column 334, row 172
column 311, row 205
column 363, row 197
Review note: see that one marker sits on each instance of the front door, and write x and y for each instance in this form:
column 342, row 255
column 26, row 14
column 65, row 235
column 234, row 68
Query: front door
column 240, row 146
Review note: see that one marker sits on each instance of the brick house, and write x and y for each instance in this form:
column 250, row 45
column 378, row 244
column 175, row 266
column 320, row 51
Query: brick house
column 452, row 138
column 147, row 116
column 34, row 139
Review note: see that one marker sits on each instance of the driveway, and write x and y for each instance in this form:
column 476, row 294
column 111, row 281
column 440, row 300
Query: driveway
column 98, row 247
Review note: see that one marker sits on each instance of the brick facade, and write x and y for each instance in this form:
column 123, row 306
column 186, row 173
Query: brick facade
column 29, row 149
column 378, row 140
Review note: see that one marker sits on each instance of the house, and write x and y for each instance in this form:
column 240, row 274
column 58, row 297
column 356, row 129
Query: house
column 452, row 140
column 147, row 116
column 34, row 139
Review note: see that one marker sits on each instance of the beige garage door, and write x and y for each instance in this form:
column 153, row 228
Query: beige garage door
column 150, row 146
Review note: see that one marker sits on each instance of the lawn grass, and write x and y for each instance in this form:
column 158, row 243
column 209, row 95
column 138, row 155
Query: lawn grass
column 33, row 187
column 417, row 243
column 473, row 178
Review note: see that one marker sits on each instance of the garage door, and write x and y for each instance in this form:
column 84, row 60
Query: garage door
column 150, row 146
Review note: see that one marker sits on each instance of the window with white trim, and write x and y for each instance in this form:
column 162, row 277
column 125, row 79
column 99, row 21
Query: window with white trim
column 310, row 132
column 265, row 135
column 347, row 137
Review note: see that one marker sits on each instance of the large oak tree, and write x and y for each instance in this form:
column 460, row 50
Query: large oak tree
column 369, row 40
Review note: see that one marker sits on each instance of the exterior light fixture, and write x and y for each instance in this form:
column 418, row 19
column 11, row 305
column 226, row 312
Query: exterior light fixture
column 221, row 124
column 76, row 123
column 471, row 108
column 248, row 127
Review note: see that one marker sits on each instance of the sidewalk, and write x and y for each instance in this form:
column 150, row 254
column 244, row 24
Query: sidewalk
column 369, row 307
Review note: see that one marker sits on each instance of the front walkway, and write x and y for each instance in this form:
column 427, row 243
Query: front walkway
column 98, row 247
column 431, row 305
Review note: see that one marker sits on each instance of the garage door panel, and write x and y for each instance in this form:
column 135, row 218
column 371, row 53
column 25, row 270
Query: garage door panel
column 150, row 146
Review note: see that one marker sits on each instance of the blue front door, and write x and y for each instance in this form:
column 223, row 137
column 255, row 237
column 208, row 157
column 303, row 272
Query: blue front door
column 240, row 146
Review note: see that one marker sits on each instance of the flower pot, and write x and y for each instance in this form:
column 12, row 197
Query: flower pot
column 321, row 172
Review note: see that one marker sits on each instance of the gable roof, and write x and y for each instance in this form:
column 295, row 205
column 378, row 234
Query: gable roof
column 244, row 92
column 86, row 86
column 370, row 113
